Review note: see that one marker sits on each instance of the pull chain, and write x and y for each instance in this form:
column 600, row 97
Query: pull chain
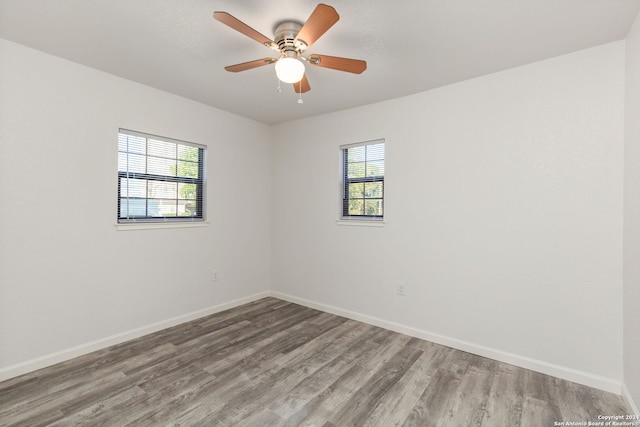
column 300, row 101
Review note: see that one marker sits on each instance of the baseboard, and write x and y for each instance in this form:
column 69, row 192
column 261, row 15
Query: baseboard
column 61, row 356
column 565, row 373
column 630, row 403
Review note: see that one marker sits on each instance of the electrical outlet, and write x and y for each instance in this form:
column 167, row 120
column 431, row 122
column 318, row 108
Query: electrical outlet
column 400, row 289
column 214, row 275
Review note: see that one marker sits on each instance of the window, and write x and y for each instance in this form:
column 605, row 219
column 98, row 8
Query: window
column 159, row 179
column 363, row 180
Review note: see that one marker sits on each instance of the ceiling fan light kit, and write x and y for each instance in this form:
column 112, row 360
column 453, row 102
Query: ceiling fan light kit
column 291, row 40
column 289, row 69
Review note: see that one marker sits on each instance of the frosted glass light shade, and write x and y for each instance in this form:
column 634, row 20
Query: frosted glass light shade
column 289, row 70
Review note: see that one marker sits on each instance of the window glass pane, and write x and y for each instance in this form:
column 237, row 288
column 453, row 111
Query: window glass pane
column 122, row 162
column 373, row 190
column 186, row 152
column 373, row 207
column 187, row 169
column 356, row 207
column 375, row 152
column 375, row 168
column 161, row 148
column 122, row 142
column 187, row 191
column 132, row 144
column 133, row 187
column 162, row 190
column 356, row 170
column 133, row 207
column 187, row 208
column 356, row 154
column 133, row 163
column 165, row 207
column 159, row 166
column 356, row 191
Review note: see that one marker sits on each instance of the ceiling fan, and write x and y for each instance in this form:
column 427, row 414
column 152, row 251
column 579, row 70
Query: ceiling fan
column 291, row 40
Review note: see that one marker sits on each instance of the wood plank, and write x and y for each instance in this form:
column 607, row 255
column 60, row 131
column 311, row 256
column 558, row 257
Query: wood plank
column 404, row 395
column 430, row 408
column 336, row 396
column 504, row 406
column 356, row 410
column 338, row 356
column 100, row 411
column 536, row 412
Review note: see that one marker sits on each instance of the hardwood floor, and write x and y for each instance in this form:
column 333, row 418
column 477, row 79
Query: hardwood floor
column 273, row 363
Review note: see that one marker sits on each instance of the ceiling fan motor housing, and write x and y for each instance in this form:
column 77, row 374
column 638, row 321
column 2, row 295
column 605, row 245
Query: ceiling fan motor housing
column 285, row 34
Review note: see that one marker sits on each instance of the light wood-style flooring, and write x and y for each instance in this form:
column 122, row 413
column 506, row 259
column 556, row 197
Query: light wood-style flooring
column 274, row 363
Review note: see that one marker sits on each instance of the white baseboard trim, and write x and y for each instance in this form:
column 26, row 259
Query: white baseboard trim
column 70, row 353
column 580, row 377
column 627, row 397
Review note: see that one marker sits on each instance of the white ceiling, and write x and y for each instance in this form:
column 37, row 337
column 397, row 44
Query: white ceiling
column 410, row 46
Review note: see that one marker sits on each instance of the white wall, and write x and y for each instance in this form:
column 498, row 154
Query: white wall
column 632, row 216
column 67, row 276
column 503, row 215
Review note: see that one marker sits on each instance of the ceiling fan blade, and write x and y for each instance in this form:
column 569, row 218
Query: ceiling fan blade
column 302, row 86
column 240, row 26
column 322, row 18
column 249, row 65
column 355, row 66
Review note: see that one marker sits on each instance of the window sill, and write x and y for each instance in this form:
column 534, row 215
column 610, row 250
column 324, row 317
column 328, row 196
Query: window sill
column 361, row 222
column 157, row 225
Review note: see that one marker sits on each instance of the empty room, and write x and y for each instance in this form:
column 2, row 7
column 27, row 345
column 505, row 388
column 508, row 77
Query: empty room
column 290, row 213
